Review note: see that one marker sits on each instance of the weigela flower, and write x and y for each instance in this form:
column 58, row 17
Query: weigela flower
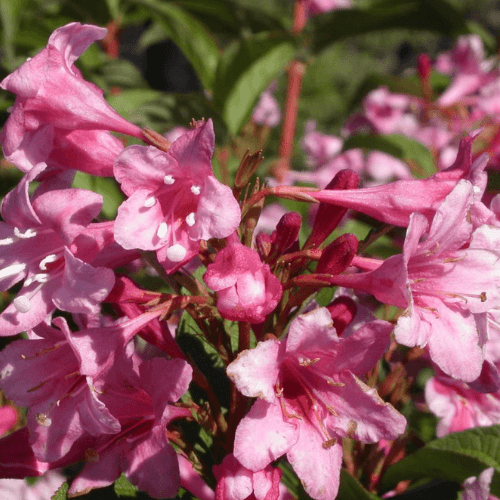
column 143, row 407
column 46, row 241
column 267, row 112
column 310, row 397
column 174, row 199
column 246, row 288
column 478, row 488
column 57, row 109
column 316, row 7
column 235, row 482
column 446, row 290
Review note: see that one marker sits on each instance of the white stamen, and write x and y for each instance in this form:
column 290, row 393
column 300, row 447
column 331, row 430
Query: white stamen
column 7, row 371
column 42, row 419
column 169, row 179
column 22, row 304
column 47, row 260
column 176, row 253
column 162, row 230
column 12, row 270
column 7, row 241
column 150, row 202
column 190, row 220
column 29, row 233
column 28, row 59
column 196, row 189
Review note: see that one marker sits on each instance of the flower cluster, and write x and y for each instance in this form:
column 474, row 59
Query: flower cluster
column 302, row 385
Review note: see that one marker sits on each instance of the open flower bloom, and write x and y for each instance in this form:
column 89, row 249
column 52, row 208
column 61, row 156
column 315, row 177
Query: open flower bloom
column 446, row 289
column 310, row 397
column 57, row 109
column 46, row 241
column 246, row 288
column 174, row 199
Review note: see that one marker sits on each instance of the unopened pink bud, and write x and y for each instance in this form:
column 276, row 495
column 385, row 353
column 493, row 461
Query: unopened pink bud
column 342, row 310
column 338, row 255
column 424, row 66
column 329, row 216
column 287, row 232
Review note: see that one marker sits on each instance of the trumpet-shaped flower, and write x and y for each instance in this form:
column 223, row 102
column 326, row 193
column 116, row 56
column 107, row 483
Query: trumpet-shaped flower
column 57, row 112
column 310, row 397
column 174, row 199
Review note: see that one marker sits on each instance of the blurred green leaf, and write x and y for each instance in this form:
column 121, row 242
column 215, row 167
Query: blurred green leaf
column 406, row 149
column 128, row 101
column 246, row 68
column 454, row 458
column 105, row 186
column 231, row 17
column 428, row 15
column 124, row 488
column 351, row 489
column 195, row 41
column 10, row 13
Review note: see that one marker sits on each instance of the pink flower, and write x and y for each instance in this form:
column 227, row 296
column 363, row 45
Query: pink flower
column 320, row 6
column 267, row 111
column 319, row 148
column 385, row 109
column 445, row 289
column 174, row 199
column 43, row 489
column 47, row 242
column 235, row 482
column 144, row 408
column 478, row 488
column 310, row 397
column 246, row 288
column 57, row 111
column 8, row 417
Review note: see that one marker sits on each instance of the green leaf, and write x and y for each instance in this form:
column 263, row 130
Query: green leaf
column 60, row 494
column 245, row 70
column 195, row 41
column 10, row 14
column 409, row 150
column 454, row 458
column 124, row 488
column 128, row 101
column 351, row 489
column 105, row 186
column 427, row 15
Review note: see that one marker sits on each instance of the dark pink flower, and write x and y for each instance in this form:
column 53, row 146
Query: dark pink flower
column 174, row 199
column 310, row 397
column 246, row 288
column 57, row 114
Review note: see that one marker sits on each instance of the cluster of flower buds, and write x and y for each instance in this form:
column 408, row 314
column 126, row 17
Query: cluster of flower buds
column 111, row 386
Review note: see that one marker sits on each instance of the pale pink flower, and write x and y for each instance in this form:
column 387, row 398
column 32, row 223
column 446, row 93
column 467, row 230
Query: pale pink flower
column 174, row 200
column 385, row 109
column 267, row 111
column 319, row 148
column 478, row 488
column 469, row 69
column 235, row 482
column 310, row 397
column 383, row 168
column 46, row 241
column 246, row 288
column 316, row 7
column 445, row 289
column 43, row 489
column 174, row 133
